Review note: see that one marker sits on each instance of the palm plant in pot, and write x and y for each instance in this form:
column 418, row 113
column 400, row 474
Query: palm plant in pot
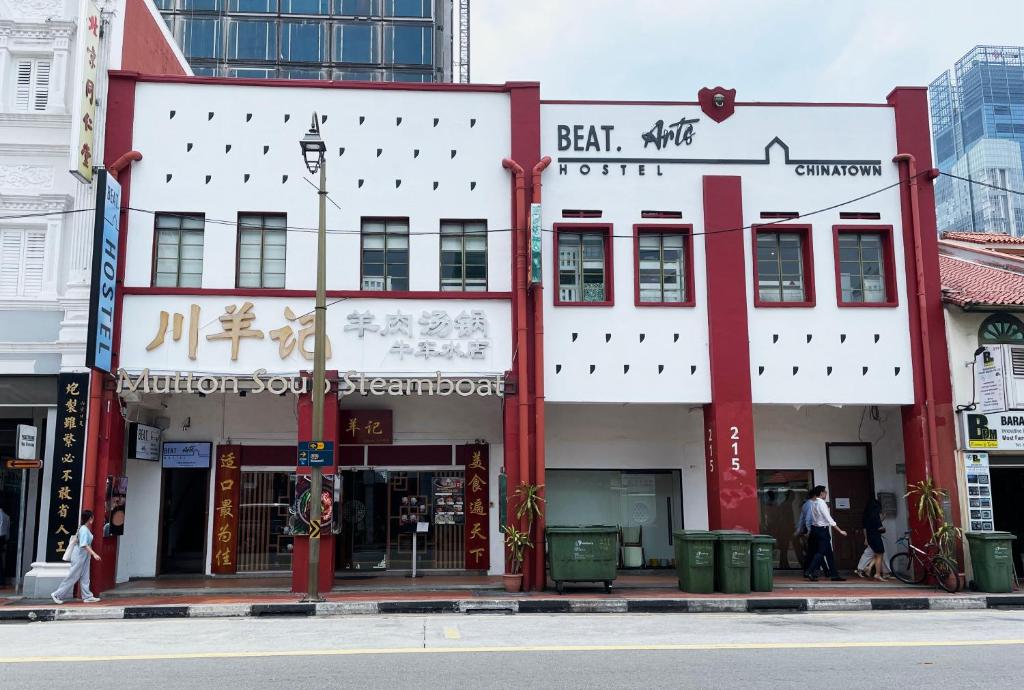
column 517, row 541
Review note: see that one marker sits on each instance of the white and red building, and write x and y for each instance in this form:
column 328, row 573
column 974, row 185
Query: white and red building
column 726, row 313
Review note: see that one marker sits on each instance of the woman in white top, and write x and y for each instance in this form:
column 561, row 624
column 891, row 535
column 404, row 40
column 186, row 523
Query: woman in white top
column 82, row 552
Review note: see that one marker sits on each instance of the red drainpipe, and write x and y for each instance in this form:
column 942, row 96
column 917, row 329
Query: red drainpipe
column 540, row 577
column 931, row 435
column 521, row 352
column 122, row 163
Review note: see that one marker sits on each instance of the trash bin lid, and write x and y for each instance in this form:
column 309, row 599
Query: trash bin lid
column 990, row 536
column 692, row 534
column 763, row 539
column 590, row 529
column 731, row 534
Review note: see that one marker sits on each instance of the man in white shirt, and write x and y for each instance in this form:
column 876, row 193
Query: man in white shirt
column 821, row 527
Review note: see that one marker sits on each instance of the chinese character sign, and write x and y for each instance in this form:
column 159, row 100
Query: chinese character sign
column 475, row 459
column 243, row 334
column 227, row 492
column 68, row 457
column 84, row 146
column 366, row 427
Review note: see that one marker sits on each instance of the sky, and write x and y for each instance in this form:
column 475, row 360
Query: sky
column 768, row 50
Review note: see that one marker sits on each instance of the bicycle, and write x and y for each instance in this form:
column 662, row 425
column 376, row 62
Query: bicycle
column 914, row 565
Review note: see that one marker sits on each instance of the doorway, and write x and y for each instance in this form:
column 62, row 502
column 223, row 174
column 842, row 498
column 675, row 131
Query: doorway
column 850, row 486
column 380, row 511
column 782, row 494
column 1007, row 498
column 183, row 521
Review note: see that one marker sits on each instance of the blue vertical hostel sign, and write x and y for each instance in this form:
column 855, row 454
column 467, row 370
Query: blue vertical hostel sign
column 104, row 273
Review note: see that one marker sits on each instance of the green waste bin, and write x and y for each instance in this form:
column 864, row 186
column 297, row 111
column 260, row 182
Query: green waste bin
column 582, row 554
column 695, row 560
column 732, row 561
column 762, row 563
column 992, row 559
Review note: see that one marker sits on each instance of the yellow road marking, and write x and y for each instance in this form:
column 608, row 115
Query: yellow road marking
column 525, row 648
column 452, row 634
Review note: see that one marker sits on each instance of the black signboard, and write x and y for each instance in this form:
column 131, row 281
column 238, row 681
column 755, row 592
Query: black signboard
column 68, row 459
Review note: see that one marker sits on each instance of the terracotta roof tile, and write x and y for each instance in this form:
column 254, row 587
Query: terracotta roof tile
column 966, row 283
column 982, row 237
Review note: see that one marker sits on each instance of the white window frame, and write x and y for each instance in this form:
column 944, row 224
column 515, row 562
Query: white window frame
column 27, row 265
column 33, row 95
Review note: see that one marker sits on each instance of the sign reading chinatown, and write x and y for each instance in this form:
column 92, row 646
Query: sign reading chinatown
column 68, row 459
column 475, row 458
column 84, row 144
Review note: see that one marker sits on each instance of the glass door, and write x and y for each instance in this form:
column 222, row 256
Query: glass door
column 264, row 543
column 362, row 544
column 782, row 494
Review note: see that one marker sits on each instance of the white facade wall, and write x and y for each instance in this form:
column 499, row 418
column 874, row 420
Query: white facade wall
column 876, row 338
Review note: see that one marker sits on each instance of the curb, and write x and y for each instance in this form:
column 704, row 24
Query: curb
column 516, row 606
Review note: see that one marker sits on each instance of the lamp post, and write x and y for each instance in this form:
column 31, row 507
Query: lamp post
column 313, row 150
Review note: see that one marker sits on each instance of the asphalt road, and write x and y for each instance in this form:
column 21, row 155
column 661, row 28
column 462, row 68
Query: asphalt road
column 983, row 649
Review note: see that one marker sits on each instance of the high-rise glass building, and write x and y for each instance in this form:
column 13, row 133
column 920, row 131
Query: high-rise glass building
column 375, row 40
column 977, row 111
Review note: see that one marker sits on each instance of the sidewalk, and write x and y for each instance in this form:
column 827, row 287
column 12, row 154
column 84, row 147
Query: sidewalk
column 394, row 595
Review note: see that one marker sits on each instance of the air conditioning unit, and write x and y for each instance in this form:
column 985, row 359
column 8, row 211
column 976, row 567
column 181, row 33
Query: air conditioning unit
column 1013, row 375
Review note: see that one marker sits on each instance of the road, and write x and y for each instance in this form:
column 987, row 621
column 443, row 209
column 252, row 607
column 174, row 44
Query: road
column 916, row 649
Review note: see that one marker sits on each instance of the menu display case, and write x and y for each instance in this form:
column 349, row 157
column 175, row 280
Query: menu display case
column 449, row 501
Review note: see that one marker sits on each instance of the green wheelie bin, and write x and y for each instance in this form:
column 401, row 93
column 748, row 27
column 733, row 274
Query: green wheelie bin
column 762, row 563
column 992, row 559
column 695, row 560
column 732, row 561
column 583, row 554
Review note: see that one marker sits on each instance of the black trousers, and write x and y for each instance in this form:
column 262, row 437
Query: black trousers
column 823, row 554
column 3, row 560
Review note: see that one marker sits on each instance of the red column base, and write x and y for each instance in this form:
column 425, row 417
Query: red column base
column 300, row 564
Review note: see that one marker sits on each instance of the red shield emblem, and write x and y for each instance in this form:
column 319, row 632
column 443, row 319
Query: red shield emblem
column 717, row 103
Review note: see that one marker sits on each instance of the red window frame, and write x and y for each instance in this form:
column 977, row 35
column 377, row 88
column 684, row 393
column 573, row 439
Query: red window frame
column 686, row 230
column 888, row 263
column 609, row 262
column 806, row 256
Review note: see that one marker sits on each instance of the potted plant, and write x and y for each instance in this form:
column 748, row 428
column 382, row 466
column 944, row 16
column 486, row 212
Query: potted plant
column 517, row 541
column 945, row 537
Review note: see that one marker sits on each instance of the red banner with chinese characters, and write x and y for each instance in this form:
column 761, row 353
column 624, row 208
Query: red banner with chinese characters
column 366, row 427
column 226, row 494
column 475, row 459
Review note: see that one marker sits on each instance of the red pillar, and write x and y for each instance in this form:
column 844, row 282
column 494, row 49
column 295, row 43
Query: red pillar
column 913, row 137
column 109, row 461
column 300, row 552
column 729, row 418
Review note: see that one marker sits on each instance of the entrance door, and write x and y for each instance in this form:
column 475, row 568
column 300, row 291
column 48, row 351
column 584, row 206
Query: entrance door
column 363, row 542
column 851, row 486
column 1007, row 498
column 782, row 494
column 183, row 522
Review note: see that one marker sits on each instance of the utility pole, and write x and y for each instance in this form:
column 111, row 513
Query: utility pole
column 313, row 151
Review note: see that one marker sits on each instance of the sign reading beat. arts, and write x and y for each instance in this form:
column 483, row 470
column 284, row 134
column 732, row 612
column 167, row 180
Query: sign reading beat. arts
column 240, row 335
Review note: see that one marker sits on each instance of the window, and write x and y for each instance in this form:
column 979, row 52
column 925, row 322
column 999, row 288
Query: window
column 407, row 8
column 303, row 42
column 252, row 40
column 463, row 256
column 265, row 6
column 32, row 89
column 385, row 254
column 584, row 261
column 262, row 241
column 200, row 38
column 22, row 260
column 412, row 77
column 783, row 266
column 356, row 43
column 305, row 7
column 179, row 250
column 865, row 270
column 356, row 8
column 408, row 45
column 663, row 275
column 1001, row 328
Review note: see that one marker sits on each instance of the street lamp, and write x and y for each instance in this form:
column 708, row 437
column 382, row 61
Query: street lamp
column 313, row 153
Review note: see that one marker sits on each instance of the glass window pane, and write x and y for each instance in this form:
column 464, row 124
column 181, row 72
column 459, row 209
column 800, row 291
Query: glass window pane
column 200, row 38
column 166, row 280
column 252, row 40
column 305, row 7
column 407, row 8
column 356, row 8
column 253, row 5
column 408, row 45
column 191, row 280
column 356, row 43
column 274, row 221
column 303, row 41
column 273, row 281
column 166, row 220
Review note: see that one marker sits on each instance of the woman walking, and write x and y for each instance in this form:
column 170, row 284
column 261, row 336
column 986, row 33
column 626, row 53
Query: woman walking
column 80, row 555
column 873, row 530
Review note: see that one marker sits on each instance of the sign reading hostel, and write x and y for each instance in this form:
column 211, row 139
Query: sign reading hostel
column 68, row 456
column 104, row 273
